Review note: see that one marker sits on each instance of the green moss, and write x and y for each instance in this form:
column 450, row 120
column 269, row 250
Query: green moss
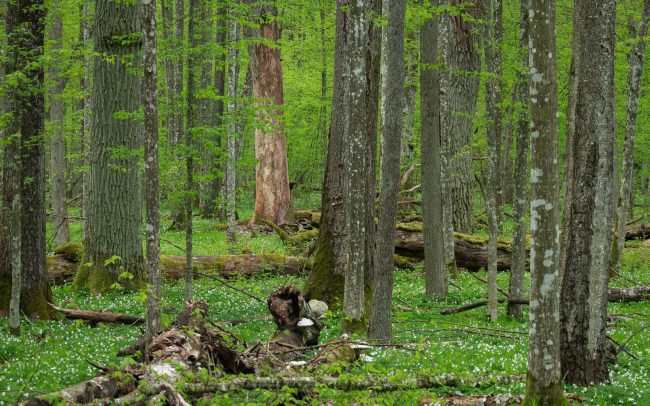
column 351, row 326
column 404, row 262
column 537, row 396
column 71, row 251
column 323, row 283
column 304, row 236
column 98, row 278
column 415, row 226
column 315, row 217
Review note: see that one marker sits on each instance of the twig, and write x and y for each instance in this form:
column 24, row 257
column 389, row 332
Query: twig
column 173, row 245
column 636, row 220
column 478, row 278
column 407, row 175
column 226, row 284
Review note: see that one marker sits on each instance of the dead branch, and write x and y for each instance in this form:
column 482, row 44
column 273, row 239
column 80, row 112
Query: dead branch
column 407, row 175
column 98, row 317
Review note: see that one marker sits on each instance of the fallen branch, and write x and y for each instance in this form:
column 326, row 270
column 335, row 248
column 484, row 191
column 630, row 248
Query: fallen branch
column 620, row 295
column 307, row 382
column 407, row 175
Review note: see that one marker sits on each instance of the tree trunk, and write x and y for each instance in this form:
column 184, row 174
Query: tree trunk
column 380, row 327
column 464, row 66
column 272, row 195
column 432, row 209
column 589, row 198
column 151, row 181
column 58, row 186
column 231, row 164
column 634, row 73
column 326, row 280
column 544, row 381
column 493, row 98
column 174, row 67
column 87, row 109
column 521, row 170
column 113, row 241
column 24, row 253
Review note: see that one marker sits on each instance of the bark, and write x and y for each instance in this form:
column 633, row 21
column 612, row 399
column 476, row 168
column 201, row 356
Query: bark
column 272, row 194
column 113, row 241
column 25, row 26
column 544, row 379
column 460, row 91
column 520, row 195
column 87, row 108
column 494, row 190
column 323, row 83
column 99, row 317
column 589, row 198
column 637, row 232
column 151, row 171
column 634, row 73
column 432, row 210
column 380, row 327
column 58, row 187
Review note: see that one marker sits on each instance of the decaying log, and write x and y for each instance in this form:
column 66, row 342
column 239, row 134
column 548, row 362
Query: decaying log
column 98, row 317
column 619, row 295
column 62, row 270
column 470, row 252
column 623, row 295
column 307, row 382
column 637, row 231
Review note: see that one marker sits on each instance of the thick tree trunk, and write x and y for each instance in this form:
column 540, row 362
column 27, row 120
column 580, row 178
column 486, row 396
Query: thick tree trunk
column 635, row 70
column 380, row 327
column 589, row 198
column 463, row 60
column 272, row 194
column 544, row 379
column 432, row 210
column 58, row 186
column 326, row 280
column 113, row 241
column 25, row 24
column 521, row 170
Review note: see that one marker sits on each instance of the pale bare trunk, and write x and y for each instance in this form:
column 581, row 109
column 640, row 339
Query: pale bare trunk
column 231, row 164
column 272, row 195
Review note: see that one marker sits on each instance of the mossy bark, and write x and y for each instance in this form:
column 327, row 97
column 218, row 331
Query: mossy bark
column 539, row 395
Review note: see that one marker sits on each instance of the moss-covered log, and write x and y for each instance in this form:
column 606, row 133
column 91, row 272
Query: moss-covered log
column 173, row 267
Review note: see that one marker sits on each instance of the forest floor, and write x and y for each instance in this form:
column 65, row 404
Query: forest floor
column 56, row 354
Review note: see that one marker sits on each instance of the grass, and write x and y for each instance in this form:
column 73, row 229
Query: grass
column 53, row 355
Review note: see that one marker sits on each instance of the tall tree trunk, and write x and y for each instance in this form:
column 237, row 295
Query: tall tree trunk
column 380, row 328
column 174, row 36
column 410, row 96
column 272, row 195
column 24, row 253
column 544, row 385
column 231, row 163
column 323, row 83
column 521, row 169
column 87, row 109
column 589, row 197
column 432, row 210
column 151, row 182
column 464, row 66
column 58, row 186
column 326, row 280
column 215, row 194
column 192, row 119
column 493, row 98
column 113, row 243
column 634, row 73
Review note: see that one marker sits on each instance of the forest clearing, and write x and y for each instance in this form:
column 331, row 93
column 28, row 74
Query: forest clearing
column 324, row 202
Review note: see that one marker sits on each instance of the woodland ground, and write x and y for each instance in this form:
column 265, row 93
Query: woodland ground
column 56, row 354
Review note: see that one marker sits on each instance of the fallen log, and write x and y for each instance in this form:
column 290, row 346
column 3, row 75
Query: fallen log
column 618, row 295
column 98, row 317
column 308, row 382
column 637, row 232
column 62, row 270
